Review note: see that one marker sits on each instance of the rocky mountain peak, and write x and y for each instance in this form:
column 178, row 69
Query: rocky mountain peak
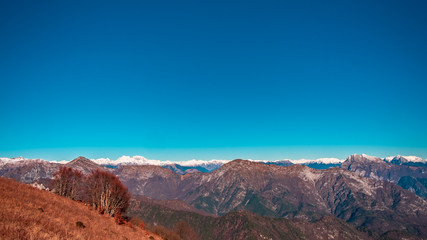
column 398, row 160
column 84, row 165
column 363, row 158
column 81, row 159
column 240, row 164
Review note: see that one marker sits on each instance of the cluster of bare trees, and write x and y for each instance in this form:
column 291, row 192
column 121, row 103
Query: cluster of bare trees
column 67, row 182
column 107, row 193
column 102, row 190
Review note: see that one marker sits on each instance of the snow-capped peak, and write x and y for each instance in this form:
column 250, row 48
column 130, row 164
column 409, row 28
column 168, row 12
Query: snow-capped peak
column 195, row 162
column 136, row 160
column 405, row 159
column 140, row 160
column 414, row 159
column 17, row 159
column 319, row 161
column 371, row 158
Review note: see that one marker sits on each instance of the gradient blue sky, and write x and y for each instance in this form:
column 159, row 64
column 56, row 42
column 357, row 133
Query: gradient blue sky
column 213, row 79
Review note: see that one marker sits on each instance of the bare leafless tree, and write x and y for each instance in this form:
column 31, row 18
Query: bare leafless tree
column 107, row 193
column 67, row 182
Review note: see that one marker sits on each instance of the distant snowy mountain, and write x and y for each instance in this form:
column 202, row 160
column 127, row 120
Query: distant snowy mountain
column 181, row 167
column 127, row 160
column 194, row 165
column 207, row 165
column 4, row 160
column 402, row 159
column 10, row 160
column 140, row 160
column 318, row 161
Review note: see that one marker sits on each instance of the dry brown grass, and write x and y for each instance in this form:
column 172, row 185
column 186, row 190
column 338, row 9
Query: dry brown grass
column 30, row 213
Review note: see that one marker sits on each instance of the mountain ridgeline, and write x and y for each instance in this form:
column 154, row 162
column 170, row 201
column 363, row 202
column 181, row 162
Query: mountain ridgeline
column 286, row 192
column 363, row 193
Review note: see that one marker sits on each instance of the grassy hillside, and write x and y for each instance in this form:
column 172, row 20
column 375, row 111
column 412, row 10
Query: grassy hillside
column 30, row 213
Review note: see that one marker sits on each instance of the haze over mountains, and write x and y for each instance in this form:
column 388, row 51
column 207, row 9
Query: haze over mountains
column 366, row 192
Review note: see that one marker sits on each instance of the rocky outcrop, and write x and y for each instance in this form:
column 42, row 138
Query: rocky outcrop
column 379, row 169
column 411, row 175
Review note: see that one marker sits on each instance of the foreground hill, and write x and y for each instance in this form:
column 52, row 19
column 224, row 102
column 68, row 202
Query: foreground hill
column 30, row 213
column 242, row 224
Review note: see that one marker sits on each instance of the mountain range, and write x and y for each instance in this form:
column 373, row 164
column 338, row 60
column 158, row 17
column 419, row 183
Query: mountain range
column 362, row 191
column 406, row 171
column 286, row 192
column 183, row 167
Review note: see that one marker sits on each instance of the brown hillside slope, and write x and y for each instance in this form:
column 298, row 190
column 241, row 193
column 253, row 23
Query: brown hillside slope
column 30, row 213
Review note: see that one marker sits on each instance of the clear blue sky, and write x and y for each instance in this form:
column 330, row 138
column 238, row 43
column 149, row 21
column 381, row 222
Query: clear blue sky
column 213, row 79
